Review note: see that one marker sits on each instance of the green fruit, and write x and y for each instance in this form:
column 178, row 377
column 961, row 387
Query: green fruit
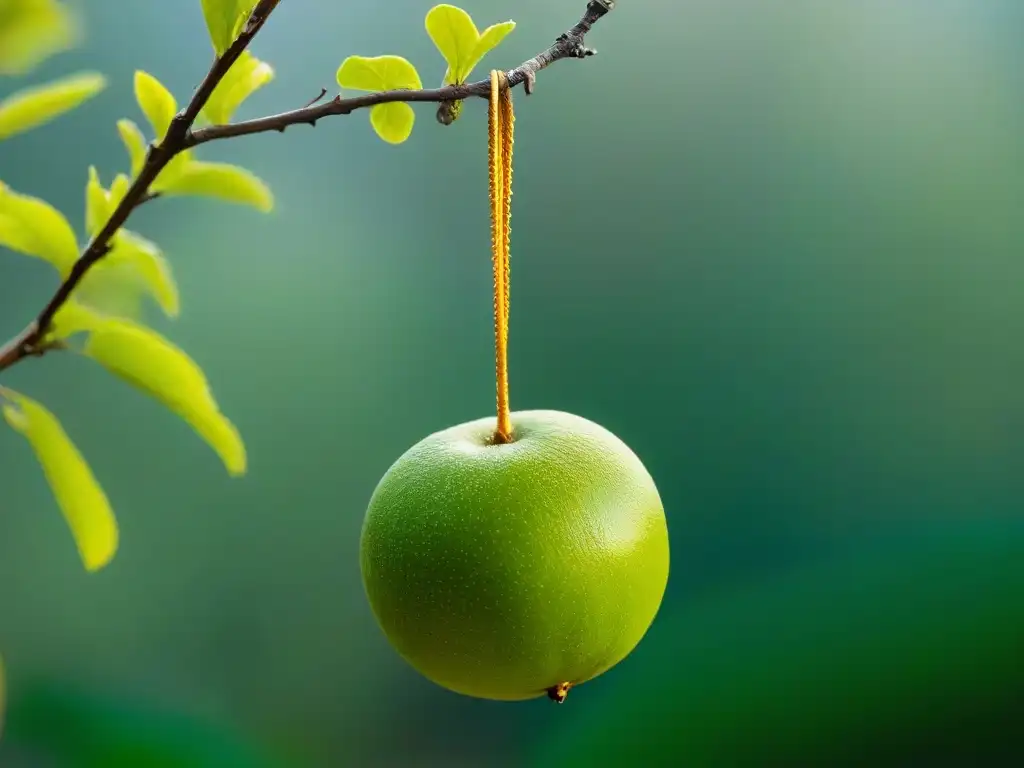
column 504, row 571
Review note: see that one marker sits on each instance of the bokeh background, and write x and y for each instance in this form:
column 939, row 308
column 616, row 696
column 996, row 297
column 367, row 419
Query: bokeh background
column 778, row 248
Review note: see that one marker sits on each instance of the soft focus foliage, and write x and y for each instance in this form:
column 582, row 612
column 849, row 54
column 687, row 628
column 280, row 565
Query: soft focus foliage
column 80, row 497
column 154, row 365
column 32, row 31
column 224, row 19
column 39, row 104
column 108, row 299
column 245, row 77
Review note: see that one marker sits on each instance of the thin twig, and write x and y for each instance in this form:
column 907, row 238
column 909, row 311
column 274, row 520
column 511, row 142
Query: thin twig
column 568, row 46
column 32, row 341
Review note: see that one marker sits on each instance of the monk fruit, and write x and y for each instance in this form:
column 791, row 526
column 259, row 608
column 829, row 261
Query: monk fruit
column 515, row 557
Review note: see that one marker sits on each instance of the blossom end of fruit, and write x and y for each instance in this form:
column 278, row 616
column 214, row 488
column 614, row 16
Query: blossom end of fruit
column 558, row 693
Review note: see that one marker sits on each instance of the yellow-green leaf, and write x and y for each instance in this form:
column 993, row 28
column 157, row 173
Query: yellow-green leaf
column 134, row 143
column 156, row 103
column 224, row 19
column 393, row 122
column 378, row 73
column 490, row 38
column 172, row 172
column 33, row 227
column 97, row 203
column 118, row 189
column 454, row 34
column 39, row 104
column 133, row 268
column 459, row 41
column 245, row 77
column 79, row 496
column 73, row 318
column 222, row 181
column 31, row 31
column 151, row 363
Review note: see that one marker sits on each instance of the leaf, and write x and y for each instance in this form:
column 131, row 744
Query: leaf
column 245, row 77
column 134, row 143
column 393, row 122
column 31, row 31
column 224, row 19
column 79, row 496
column 222, row 181
column 378, row 73
column 459, row 41
column 151, row 363
column 33, row 227
column 72, row 318
column 490, row 39
column 133, row 268
column 172, row 172
column 39, row 104
column 454, row 34
column 156, row 103
column 97, row 207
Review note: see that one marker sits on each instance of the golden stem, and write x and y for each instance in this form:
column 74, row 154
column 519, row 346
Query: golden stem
column 499, row 151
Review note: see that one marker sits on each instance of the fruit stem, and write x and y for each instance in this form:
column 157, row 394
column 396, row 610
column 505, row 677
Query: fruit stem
column 499, row 150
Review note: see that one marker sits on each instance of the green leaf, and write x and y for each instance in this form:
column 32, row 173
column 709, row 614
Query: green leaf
column 134, row 143
column 151, row 363
column 39, row 104
column 79, row 496
column 224, row 20
column 156, row 103
column 224, row 182
column 97, row 205
column 490, row 39
column 393, row 122
column 33, row 227
column 31, row 31
column 245, row 77
column 72, row 318
column 133, row 267
column 378, row 73
column 459, row 41
column 172, row 172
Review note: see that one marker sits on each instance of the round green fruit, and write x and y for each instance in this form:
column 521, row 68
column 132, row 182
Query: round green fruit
column 510, row 570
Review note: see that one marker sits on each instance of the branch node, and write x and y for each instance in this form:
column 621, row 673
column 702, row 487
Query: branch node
column 530, row 83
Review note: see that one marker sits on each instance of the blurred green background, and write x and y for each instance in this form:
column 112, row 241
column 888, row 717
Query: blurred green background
column 778, row 248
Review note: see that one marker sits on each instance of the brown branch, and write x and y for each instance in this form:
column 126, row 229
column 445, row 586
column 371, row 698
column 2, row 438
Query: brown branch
column 32, row 341
column 568, row 46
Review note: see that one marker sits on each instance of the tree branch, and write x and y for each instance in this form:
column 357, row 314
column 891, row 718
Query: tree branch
column 569, row 45
column 32, row 341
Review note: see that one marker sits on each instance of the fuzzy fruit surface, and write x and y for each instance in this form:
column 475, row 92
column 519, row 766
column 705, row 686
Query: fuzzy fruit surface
column 501, row 570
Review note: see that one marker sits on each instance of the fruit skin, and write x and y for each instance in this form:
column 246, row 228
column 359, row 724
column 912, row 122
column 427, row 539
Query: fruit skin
column 501, row 570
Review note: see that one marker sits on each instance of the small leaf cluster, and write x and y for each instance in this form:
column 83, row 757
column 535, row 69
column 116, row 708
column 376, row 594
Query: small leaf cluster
column 457, row 38
column 102, row 319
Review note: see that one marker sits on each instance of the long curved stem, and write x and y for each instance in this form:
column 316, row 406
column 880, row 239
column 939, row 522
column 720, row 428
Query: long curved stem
column 499, row 150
